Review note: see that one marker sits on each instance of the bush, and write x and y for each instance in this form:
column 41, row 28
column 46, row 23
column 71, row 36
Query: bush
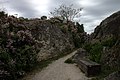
column 109, row 42
column 87, row 47
column 64, row 28
column 18, row 51
column 80, row 28
column 94, row 50
column 17, row 55
column 78, row 40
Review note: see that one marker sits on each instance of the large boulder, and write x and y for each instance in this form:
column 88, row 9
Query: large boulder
column 109, row 26
column 53, row 40
column 113, row 76
column 108, row 34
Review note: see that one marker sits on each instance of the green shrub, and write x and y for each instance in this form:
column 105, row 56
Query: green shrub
column 17, row 59
column 80, row 28
column 87, row 47
column 109, row 42
column 78, row 40
column 105, row 71
column 96, row 52
column 18, row 50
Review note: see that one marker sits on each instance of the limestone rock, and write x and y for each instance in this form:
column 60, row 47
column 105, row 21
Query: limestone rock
column 109, row 26
column 108, row 32
column 43, row 17
column 113, row 76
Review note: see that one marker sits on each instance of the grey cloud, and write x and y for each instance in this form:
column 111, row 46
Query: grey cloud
column 99, row 12
column 66, row 2
column 91, row 13
column 23, row 7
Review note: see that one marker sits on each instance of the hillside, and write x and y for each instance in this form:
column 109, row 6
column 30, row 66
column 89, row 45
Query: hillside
column 104, row 45
column 25, row 42
column 108, row 33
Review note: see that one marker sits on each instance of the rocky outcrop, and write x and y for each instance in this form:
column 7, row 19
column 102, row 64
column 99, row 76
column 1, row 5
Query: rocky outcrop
column 103, row 46
column 52, row 39
column 108, row 34
column 53, row 36
column 109, row 26
column 113, row 76
column 25, row 42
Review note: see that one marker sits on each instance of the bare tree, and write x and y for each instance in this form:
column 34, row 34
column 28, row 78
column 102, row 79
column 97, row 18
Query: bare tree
column 67, row 12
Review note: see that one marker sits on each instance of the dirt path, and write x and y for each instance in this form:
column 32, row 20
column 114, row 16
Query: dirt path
column 58, row 70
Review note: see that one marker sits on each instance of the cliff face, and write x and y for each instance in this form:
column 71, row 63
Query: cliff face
column 108, row 34
column 53, row 36
column 109, row 26
column 24, row 42
column 53, row 40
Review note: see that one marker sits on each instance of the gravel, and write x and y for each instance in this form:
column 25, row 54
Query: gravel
column 58, row 70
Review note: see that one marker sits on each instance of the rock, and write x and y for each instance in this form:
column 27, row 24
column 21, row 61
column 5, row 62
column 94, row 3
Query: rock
column 113, row 76
column 81, row 53
column 89, row 67
column 108, row 32
column 52, row 39
column 28, row 41
column 43, row 17
column 109, row 26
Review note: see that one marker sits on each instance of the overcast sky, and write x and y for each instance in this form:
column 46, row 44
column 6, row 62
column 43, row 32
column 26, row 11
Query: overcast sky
column 94, row 11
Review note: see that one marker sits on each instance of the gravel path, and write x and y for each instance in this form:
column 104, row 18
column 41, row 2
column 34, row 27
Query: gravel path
column 58, row 70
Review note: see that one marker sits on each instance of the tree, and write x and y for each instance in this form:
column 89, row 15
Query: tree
column 66, row 12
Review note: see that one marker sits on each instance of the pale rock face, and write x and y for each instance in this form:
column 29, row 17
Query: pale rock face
column 52, row 39
column 43, row 17
column 113, row 76
column 109, row 26
column 109, row 29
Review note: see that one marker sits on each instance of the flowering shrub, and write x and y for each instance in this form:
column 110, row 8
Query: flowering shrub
column 18, row 50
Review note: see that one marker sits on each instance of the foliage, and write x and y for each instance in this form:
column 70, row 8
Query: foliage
column 67, row 12
column 87, row 47
column 80, row 28
column 105, row 71
column 95, row 51
column 77, row 32
column 78, row 40
column 63, row 28
column 2, row 13
column 109, row 42
column 18, row 50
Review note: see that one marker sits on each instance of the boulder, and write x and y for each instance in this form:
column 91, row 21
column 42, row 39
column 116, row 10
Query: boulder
column 43, row 17
column 113, row 76
column 109, row 26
